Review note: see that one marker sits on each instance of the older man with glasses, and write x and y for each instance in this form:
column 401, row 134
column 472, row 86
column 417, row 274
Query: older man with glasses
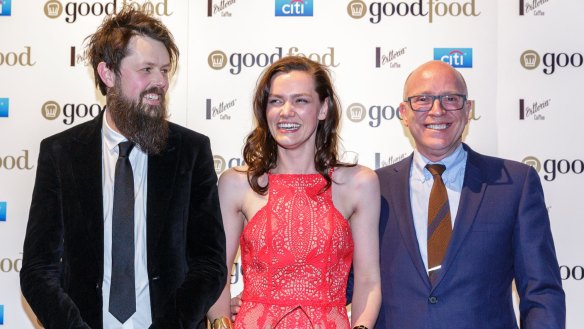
column 457, row 227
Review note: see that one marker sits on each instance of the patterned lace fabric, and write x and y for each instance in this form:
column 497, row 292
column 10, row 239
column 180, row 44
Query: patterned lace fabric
column 296, row 255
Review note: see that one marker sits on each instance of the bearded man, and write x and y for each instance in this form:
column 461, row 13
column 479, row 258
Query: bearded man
column 125, row 228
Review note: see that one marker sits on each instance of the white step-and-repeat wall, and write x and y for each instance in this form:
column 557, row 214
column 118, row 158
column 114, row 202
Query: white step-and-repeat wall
column 523, row 61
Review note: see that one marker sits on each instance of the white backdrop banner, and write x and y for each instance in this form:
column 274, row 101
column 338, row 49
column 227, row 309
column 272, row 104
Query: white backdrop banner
column 522, row 59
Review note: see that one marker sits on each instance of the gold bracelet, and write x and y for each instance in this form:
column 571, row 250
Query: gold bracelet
column 222, row 323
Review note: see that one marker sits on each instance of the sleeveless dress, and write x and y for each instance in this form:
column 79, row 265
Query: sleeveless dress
column 296, row 253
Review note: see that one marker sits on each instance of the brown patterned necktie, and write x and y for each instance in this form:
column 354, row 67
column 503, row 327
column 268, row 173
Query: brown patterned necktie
column 439, row 223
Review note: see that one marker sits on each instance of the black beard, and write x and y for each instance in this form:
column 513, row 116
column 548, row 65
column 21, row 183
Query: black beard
column 143, row 124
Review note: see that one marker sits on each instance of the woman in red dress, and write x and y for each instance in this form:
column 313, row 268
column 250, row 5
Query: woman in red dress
column 301, row 217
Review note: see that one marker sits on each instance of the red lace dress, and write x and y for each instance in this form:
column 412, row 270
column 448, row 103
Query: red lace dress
column 296, row 254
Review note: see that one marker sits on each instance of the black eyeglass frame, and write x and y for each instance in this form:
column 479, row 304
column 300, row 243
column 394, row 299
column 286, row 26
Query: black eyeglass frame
column 439, row 97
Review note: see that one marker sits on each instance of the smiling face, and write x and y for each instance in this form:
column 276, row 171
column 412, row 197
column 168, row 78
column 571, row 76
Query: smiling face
column 437, row 132
column 136, row 96
column 294, row 110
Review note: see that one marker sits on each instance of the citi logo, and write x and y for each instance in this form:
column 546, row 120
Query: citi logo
column 220, row 110
column 430, row 9
column 531, row 7
column 456, row 57
column 294, row 8
column 389, row 58
column 5, row 7
column 52, row 110
column 4, row 102
column 533, row 110
column 2, row 211
column 1, row 314
column 219, row 8
column 54, row 8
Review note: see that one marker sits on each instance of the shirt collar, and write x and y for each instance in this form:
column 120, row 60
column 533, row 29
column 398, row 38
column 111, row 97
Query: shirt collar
column 455, row 162
column 111, row 137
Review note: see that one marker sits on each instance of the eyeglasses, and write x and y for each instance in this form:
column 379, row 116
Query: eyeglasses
column 424, row 103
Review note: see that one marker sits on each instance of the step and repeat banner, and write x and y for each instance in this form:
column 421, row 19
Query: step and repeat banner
column 522, row 59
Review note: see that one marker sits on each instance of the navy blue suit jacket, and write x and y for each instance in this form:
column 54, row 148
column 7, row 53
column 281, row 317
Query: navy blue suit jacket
column 501, row 232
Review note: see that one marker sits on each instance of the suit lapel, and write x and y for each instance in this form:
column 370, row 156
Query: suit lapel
column 473, row 190
column 400, row 200
column 162, row 170
column 86, row 166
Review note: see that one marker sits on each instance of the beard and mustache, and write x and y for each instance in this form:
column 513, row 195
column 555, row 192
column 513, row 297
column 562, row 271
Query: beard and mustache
column 143, row 124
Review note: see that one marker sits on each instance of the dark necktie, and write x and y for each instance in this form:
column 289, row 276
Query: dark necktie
column 439, row 223
column 122, row 302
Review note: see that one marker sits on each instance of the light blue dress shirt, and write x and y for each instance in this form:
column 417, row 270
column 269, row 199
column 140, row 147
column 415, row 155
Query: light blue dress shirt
column 421, row 184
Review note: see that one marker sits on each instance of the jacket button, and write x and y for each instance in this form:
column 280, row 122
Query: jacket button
column 433, row 299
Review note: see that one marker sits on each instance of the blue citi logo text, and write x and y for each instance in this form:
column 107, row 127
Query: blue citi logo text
column 294, row 7
column 4, row 107
column 457, row 57
column 1, row 314
column 2, row 211
column 5, row 7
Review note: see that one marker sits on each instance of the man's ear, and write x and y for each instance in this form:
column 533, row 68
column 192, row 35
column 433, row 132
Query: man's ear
column 106, row 75
column 403, row 114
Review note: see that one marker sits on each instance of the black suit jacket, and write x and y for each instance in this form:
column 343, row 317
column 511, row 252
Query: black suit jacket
column 62, row 270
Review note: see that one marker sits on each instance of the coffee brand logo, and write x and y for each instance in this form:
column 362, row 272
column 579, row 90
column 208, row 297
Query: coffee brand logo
column 5, row 7
column 531, row 7
column 78, row 58
column 219, row 110
column 219, row 7
column 294, row 8
column 389, row 58
column 73, row 10
column 533, row 109
column 379, row 162
column 456, row 57
column 237, row 61
column 430, row 9
column 4, row 106
column 17, row 58
column 52, row 110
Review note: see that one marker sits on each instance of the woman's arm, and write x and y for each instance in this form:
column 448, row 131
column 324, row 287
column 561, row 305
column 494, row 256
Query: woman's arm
column 364, row 196
column 232, row 188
